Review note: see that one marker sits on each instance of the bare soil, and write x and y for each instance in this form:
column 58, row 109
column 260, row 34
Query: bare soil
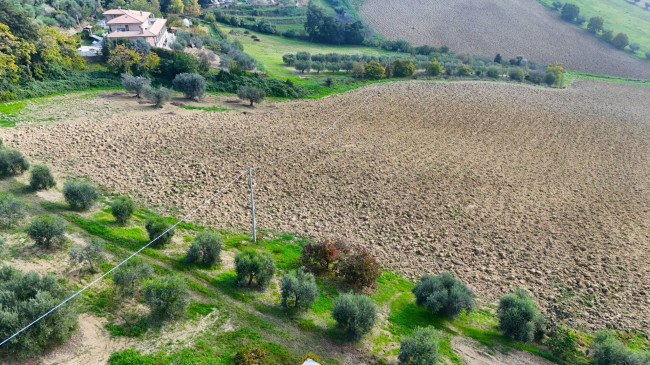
column 504, row 185
column 509, row 27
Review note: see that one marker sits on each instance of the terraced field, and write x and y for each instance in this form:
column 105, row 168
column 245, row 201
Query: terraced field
column 509, row 27
column 504, row 185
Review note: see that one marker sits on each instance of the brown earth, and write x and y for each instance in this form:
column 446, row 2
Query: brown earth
column 509, row 27
column 504, row 185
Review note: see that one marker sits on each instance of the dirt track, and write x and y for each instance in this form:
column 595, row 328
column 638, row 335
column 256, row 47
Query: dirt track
column 504, row 185
column 509, row 27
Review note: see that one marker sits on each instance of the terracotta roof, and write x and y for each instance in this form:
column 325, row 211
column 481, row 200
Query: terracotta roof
column 157, row 26
column 128, row 16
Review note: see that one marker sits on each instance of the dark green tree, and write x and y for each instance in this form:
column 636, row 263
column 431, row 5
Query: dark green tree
column 122, row 208
column 79, row 195
column 519, row 318
column 166, row 296
column 205, row 249
column 126, row 276
column 354, row 314
column 46, row 230
column 419, row 349
column 157, row 228
column 298, row 289
column 595, row 24
column 251, row 265
column 443, row 295
column 570, row 12
column 41, row 178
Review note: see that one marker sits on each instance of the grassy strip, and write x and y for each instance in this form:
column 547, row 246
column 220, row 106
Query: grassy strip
column 205, row 108
column 572, row 75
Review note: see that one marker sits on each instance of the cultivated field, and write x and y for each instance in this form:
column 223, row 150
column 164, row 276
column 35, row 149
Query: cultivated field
column 509, row 27
column 504, row 185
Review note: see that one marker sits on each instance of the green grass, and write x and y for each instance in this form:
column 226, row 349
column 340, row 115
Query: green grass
column 205, row 108
column 128, row 329
column 572, row 75
column 620, row 16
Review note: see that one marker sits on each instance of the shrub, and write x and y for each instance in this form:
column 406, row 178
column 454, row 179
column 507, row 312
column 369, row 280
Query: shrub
column 549, row 79
column 354, row 314
column 249, row 356
column 556, row 69
column 25, row 297
column 358, row 70
column 166, row 296
column 519, row 318
column 122, row 208
column 12, row 210
column 580, row 20
column 634, row 47
column 443, row 295
column 434, row 68
column 251, row 93
column 557, row 5
column 536, row 76
column 620, row 41
column 570, row 12
column 157, row 228
column 608, row 35
column 158, row 97
column 494, row 72
column 90, row 253
column 303, row 56
column 289, row 59
column 12, row 162
column 373, row 70
column 251, row 265
column 46, row 230
column 464, row 70
column 323, row 255
column 298, row 287
column 647, row 55
column 498, row 58
column 79, row 195
column 135, row 84
column 359, row 268
column 419, row 349
column 41, row 178
column 206, row 249
column 607, row 350
column 562, row 343
column 516, row 74
column 595, row 24
column 403, row 67
column 192, row 85
column 131, row 272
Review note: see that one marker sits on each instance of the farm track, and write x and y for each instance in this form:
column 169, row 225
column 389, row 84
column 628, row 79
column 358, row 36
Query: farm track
column 504, row 185
column 509, row 27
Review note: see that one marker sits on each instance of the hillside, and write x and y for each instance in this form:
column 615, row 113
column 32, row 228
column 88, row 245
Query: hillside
column 509, row 27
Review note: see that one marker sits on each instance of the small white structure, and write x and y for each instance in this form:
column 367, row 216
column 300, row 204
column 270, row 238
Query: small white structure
column 310, row 362
column 186, row 22
column 89, row 51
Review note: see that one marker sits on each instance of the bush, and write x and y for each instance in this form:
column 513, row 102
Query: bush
column 519, row 318
column 549, row 79
column 443, row 295
column 166, row 296
column 419, row 349
column 620, row 41
column 289, row 59
column 206, row 249
column 156, row 228
column 251, row 265
column 354, row 314
column 46, row 230
column 607, row 35
column 135, row 84
column 516, row 74
column 323, row 255
column 536, row 76
column 25, row 297
column 192, row 85
column 303, row 56
column 298, row 287
column 434, row 68
column 570, row 12
column 359, row 268
column 464, row 70
column 122, row 208
column 12, row 162
column 91, row 253
column 634, row 47
column 251, row 93
column 358, row 70
column 373, row 70
column 595, row 24
column 131, row 272
column 249, row 356
column 647, row 55
column 494, row 72
column 158, row 97
column 557, row 5
column 79, row 195
column 41, row 178
column 562, row 343
column 12, row 210
column 403, row 68
column 303, row 65
column 607, row 350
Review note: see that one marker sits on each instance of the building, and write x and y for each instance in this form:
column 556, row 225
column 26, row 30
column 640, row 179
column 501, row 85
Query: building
column 134, row 24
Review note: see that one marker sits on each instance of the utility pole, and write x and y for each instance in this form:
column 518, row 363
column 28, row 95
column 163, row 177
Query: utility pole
column 250, row 186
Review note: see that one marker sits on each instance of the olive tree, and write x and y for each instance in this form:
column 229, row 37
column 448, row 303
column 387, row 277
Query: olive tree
column 607, row 349
column 419, row 349
column 206, row 249
column 46, row 230
column 251, row 93
column 157, row 227
column 166, row 296
column 134, row 270
column 12, row 162
column 135, row 84
column 443, row 295
column 354, row 314
column 192, row 85
column 27, row 296
column 251, row 265
column 12, row 210
column 79, row 195
column 298, row 289
column 122, row 208
column 91, row 253
column 41, row 178
column 519, row 318
column 158, row 97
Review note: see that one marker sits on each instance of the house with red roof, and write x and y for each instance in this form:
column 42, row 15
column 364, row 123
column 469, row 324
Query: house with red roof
column 134, row 24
